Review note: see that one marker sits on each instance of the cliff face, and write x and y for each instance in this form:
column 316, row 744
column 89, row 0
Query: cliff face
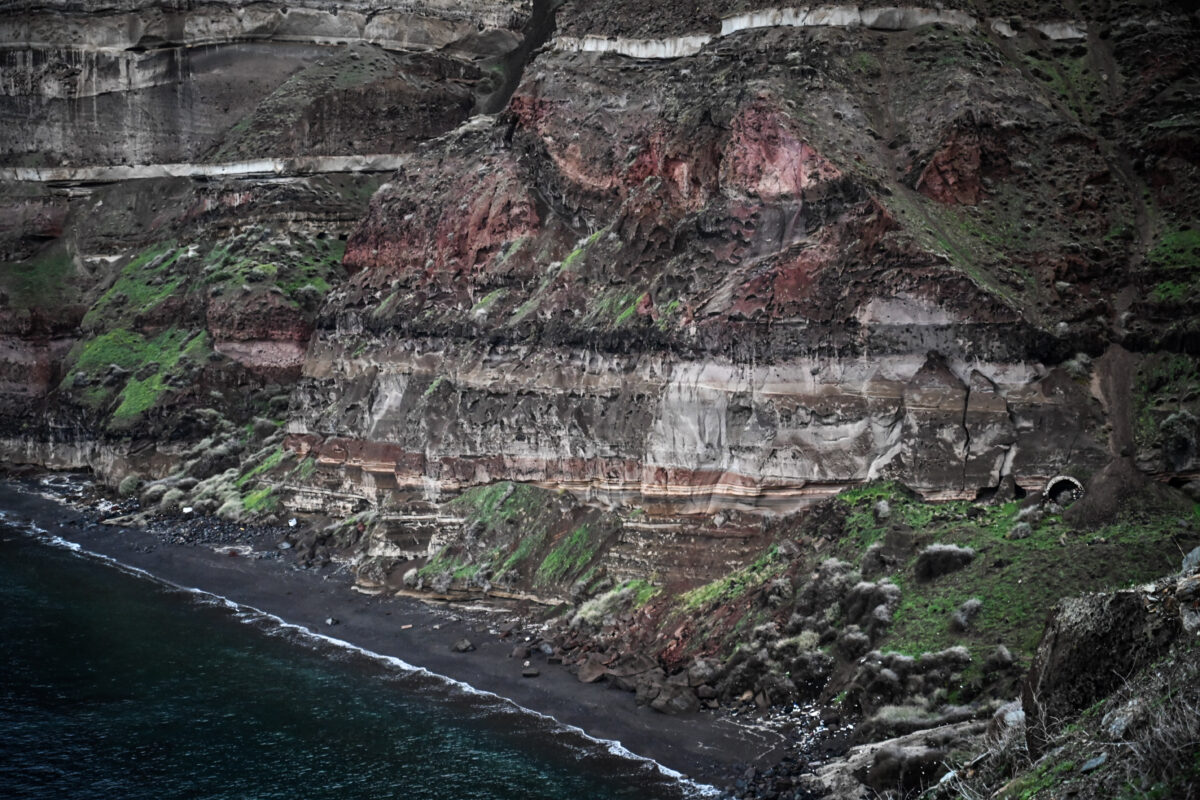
column 815, row 251
column 582, row 302
column 152, row 83
column 178, row 186
column 739, row 258
column 742, row 257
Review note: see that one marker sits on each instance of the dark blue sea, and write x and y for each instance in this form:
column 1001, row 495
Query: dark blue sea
column 113, row 685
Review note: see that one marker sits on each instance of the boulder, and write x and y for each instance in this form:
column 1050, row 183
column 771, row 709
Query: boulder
column 1022, row 530
column 704, row 670
column 463, row 645
column 1089, row 643
column 999, row 659
column 649, row 686
column 674, row 699
column 1118, row 721
column 129, row 485
column 152, row 494
column 172, row 499
column 853, row 642
column 1008, row 720
column 906, row 769
column 892, row 721
column 1191, row 562
column 941, row 559
column 962, row 619
column 592, row 670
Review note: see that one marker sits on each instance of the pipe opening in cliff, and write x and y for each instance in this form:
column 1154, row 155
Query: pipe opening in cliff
column 1063, row 490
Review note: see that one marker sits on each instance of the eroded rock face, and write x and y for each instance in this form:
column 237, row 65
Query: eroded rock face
column 715, row 300
column 653, row 429
column 179, row 184
column 779, row 252
column 148, row 84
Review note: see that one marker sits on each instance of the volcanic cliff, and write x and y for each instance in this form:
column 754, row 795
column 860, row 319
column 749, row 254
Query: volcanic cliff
column 603, row 305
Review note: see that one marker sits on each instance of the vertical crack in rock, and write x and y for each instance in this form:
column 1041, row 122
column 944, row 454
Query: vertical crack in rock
column 538, row 29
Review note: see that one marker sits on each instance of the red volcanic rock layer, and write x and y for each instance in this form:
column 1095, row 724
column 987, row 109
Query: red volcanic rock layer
column 767, row 157
column 956, row 171
column 456, row 228
column 256, row 315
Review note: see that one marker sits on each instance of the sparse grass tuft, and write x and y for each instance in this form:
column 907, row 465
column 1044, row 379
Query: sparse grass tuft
column 735, row 584
column 569, row 556
column 268, row 463
column 260, row 501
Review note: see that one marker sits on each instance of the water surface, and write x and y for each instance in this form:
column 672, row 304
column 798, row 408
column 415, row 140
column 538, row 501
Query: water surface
column 116, row 686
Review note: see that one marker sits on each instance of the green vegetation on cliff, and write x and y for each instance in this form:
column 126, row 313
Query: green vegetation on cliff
column 303, row 269
column 569, row 556
column 1005, row 565
column 1164, row 384
column 1017, row 573
column 133, row 370
column 734, row 585
column 523, row 537
column 144, row 283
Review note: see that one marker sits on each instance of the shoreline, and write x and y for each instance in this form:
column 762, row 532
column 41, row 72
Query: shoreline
column 708, row 748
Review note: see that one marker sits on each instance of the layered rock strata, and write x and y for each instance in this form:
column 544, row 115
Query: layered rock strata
column 699, row 271
column 685, row 434
column 148, row 83
column 670, row 288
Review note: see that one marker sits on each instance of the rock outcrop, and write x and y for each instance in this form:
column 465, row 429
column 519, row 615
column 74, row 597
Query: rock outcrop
column 1093, row 643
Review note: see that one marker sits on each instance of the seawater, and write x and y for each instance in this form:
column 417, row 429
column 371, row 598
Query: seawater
column 113, row 685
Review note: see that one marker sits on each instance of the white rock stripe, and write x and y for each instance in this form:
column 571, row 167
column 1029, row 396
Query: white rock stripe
column 303, row 165
column 893, row 18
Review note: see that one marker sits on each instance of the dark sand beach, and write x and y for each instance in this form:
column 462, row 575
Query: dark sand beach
column 707, row 747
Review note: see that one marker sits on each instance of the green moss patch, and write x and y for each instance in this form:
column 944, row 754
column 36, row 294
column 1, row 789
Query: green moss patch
column 569, row 556
column 487, row 301
column 643, row 591
column 1040, row 783
column 1176, row 250
column 155, row 366
column 445, row 560
column 577, row 256
column 303, row 269
column 615, row 308
column 261, row 501
column 304, row 469
column 142, row 284
column 517, row 518
column 269, row 463
column 527, row 536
